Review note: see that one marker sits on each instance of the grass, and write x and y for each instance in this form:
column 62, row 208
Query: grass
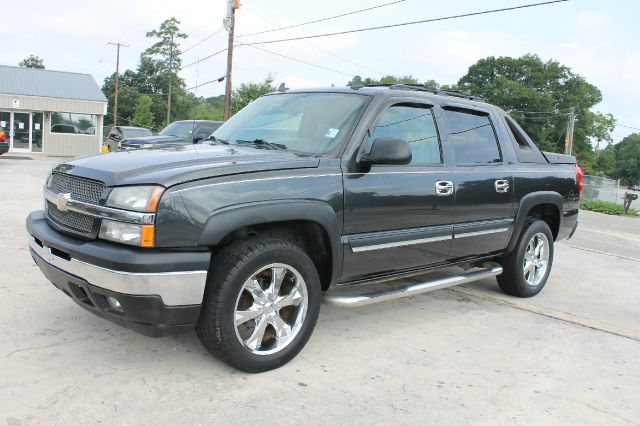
column 606, row 207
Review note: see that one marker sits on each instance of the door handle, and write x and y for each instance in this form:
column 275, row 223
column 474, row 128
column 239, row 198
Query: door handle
column 444, row 187
column 502, row 186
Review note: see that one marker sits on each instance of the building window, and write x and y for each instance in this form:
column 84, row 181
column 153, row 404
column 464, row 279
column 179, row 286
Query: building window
column 67, row 122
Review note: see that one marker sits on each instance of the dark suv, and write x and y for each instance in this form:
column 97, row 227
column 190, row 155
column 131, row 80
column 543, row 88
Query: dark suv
column 303, row 195
column 177, row 133
column 118, row 133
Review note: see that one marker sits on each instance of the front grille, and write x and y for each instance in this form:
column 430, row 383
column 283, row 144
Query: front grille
column 73, row 220
column 81, row 189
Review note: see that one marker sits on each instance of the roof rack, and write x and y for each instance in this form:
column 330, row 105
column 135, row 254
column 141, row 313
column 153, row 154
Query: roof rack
column 422, row 88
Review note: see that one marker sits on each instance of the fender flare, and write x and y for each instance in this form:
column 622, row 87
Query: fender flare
column 222, row 222
column 528, row 201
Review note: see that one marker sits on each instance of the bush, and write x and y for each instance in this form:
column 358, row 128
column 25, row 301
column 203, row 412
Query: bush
column 606, row 207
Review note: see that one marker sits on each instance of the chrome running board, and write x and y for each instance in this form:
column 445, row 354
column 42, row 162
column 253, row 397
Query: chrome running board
column 351, row 297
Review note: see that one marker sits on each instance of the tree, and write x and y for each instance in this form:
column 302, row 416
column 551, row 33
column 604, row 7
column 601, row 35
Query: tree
column 166, row 53
column 32, row 61
column 142, row 115
column 539, row 95
column 627, row 166
column 248, row 92
column 387, row 79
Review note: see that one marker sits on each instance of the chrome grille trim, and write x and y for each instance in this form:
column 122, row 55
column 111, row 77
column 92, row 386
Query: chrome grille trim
column 81, row 189
column 103, row 212
column 71, row 219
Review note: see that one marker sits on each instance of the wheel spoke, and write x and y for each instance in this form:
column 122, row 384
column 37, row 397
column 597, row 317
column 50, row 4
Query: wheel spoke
column 292, row 299
column 282, row 328
column 277, row 276
column 255, row 340
column 253, row 287
column 539, row 247
column 252, row 313
column 529, row 270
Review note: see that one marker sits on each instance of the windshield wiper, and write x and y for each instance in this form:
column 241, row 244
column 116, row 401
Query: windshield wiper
column 262, row 143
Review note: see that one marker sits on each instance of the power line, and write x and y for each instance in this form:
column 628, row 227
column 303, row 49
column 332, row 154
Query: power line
column 323, row 19
column 217, row 80
column 401, row 24
column 317, row 47
column 295, row 59
column 628, row 127
column 204, row 59
column 201, row 41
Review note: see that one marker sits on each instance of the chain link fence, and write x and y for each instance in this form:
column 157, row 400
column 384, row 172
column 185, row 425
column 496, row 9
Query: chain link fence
column 601, row 188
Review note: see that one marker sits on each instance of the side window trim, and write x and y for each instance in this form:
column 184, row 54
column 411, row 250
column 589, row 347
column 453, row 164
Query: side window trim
column 415, row 104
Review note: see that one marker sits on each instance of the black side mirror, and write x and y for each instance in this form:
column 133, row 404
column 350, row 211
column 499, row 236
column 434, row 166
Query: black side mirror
column 386, row 151
column 199, row 137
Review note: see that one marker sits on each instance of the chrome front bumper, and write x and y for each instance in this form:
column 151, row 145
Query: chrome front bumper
column 174, row 288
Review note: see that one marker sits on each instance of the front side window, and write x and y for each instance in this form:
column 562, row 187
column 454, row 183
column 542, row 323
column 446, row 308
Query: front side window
column 310, row 123
column 472, row 137
column 415, row 125
column 68, row 122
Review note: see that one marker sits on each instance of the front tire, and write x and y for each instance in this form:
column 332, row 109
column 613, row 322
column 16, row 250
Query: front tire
column 527, row 268
column 261, row 304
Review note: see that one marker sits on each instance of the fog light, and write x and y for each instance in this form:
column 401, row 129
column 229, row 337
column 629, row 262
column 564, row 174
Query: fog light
column 114, row 303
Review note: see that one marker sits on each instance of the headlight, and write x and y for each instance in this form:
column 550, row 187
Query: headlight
column 137, row 198
column 127, row 233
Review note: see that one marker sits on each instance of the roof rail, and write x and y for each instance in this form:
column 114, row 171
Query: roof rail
column 422, row 88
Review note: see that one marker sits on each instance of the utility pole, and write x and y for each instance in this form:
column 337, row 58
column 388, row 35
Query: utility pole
column 170, row 78
column 568, row 145
column 115, row 94
column 229, row 23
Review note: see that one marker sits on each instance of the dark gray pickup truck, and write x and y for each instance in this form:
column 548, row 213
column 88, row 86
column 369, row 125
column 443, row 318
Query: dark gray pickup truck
column 305, row 195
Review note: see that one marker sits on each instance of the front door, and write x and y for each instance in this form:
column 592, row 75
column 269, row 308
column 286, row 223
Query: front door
column 21, row 132
column 394, row 220
column 36, row 131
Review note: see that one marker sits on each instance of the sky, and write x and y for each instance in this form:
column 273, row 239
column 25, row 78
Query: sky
column 599, row 40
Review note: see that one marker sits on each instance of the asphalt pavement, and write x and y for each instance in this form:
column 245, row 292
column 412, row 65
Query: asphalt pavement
column 467, row 354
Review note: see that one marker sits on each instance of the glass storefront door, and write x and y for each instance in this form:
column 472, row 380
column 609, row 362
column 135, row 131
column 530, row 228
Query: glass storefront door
column 36, row 131
column 23, row 130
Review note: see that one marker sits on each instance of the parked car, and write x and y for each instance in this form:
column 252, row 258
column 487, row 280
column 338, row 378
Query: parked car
column 300, row 194
column 635, row 187
column 4, row 141
column 177, row 133
column 118, row 133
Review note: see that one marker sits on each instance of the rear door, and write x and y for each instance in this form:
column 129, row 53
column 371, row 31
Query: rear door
column 393, row 218
column 483, row 184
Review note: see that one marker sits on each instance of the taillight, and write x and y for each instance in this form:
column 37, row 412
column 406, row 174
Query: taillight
column 2, row 136
column 579, row 175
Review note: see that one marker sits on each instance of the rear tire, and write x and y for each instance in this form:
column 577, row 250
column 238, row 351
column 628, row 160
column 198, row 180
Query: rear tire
column 261, row 304
column 527, row 268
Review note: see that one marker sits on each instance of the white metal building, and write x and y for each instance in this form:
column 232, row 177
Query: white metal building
column 54, row 112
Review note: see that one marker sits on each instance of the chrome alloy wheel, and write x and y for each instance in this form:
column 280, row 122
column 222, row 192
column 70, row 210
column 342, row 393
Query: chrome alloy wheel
column 270, row 309
column 536, row 259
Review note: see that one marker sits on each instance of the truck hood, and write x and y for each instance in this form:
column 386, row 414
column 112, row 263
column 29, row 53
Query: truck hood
column 172, row 165
column 140, row 140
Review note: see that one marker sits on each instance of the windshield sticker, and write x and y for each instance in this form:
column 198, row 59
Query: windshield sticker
column 332, row 133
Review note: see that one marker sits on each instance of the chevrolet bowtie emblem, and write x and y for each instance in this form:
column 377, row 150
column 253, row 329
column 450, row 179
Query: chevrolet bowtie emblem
column 61, row 201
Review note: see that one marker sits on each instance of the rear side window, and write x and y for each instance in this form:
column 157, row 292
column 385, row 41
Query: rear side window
column 472, row 137
column 414, row 124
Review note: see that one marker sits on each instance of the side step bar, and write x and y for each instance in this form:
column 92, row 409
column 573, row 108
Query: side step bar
column 402, row 289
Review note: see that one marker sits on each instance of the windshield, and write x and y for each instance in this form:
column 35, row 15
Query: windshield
column 132, row 133
column 312, row 123
column 181, row 129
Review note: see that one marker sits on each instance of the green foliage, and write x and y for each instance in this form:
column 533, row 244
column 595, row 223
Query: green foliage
column 32, row 61
column 526, row 86
column 387, row 79
column 606, row 207
column 248, row 92
column 142, row 115
column 627, row 154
